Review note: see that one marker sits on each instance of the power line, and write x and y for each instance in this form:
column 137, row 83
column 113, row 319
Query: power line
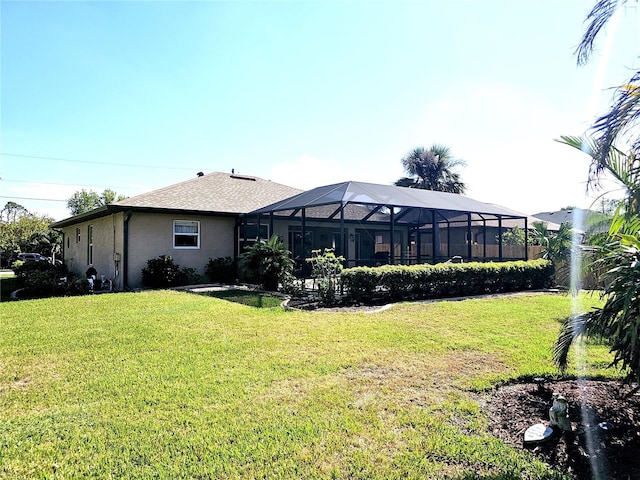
column 62, row 184
column 31, row 198
column 97, row 163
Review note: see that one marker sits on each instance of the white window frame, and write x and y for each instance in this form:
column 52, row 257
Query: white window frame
column 196, row 234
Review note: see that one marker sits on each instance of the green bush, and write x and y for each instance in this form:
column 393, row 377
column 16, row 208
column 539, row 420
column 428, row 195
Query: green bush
column 397, row 282
column 42, row 279
column 326, row 268
column 163, row 272
column 267, row 263
column 222, row 270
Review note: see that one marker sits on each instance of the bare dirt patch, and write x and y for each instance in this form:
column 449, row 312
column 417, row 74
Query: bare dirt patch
column 589, row 451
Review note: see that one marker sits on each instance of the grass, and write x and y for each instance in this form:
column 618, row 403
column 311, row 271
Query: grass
column 172, row 385
column 250, row 298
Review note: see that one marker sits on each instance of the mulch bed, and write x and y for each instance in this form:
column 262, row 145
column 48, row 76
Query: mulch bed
column 589, row 451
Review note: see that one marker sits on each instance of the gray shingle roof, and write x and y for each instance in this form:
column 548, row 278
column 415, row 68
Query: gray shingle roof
column 216, row 192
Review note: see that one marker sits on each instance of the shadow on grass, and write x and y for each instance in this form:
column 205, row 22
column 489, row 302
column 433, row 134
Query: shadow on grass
column 7, row 285
column 252, row 299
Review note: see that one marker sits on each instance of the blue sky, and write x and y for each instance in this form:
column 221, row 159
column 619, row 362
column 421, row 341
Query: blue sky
column 145, row 94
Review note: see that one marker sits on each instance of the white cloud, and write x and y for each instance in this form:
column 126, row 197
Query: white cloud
column 507, row 139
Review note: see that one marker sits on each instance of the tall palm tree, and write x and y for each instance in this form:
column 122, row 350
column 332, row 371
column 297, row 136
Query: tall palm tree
column 432, row 169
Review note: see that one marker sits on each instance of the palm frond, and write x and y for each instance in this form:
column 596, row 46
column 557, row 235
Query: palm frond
column 572, row 329
column 599, row 16
column 621, row 119
column 622, row 167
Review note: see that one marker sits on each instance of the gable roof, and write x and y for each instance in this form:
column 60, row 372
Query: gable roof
column 216, row 192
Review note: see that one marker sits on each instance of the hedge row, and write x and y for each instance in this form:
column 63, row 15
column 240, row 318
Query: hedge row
column 398, row 282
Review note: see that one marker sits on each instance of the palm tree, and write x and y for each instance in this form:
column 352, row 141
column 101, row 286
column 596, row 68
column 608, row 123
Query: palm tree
column 268, row 263
column 432, row 170
column 556, row 247
column 620, row 122
column 618, row 320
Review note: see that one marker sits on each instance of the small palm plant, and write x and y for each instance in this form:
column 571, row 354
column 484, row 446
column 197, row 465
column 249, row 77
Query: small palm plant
column 618, row 321
column 267, row 263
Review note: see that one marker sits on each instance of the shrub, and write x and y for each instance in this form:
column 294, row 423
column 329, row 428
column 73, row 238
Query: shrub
column 163, row 272
column 326, row 268
column 222, row 270
column 267, row 263
column 42, row 279
column 292, row 286
column 190, row 276
column 445, row 280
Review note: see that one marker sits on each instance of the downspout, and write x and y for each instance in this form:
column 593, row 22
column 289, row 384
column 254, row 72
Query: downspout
column 125, row 250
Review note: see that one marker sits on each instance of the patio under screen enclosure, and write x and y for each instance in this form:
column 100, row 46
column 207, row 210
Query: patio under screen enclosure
column 372, row 224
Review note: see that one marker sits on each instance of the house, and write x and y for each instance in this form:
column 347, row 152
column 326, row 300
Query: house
column 191, row 221
column 219, row 214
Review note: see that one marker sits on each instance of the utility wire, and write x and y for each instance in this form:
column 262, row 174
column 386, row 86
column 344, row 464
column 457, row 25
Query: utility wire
column 62, row 184
column 97, row 163
column 31, row 198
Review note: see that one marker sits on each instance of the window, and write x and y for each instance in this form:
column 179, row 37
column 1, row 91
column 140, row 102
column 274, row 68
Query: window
column 252, row 234
column 78, row 235
column 186, row 234
column 252, row 231
column 90, row 245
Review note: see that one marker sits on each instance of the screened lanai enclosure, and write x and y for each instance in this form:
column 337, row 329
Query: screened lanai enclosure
column 370, row 224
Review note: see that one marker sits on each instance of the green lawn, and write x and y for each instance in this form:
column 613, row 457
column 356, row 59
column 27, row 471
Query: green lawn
column 175, row 385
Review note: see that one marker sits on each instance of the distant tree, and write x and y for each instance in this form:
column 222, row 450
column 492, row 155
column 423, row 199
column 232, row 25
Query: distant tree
column 109, row 196
column 432, row 169
column 21, row 231
column 608, row 206
column 12, row 211
column 514, row 236
column 557, row 247
column 84, row 201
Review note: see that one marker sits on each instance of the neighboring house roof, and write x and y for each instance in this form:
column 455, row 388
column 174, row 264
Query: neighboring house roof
column 563, row 216
column 448, row 205
column 215, row 192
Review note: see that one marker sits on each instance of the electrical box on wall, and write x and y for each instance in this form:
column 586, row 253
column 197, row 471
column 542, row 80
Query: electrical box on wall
column 116, row 257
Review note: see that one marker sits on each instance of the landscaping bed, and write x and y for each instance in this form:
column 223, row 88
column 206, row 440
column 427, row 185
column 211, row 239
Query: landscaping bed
column 614, row 452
